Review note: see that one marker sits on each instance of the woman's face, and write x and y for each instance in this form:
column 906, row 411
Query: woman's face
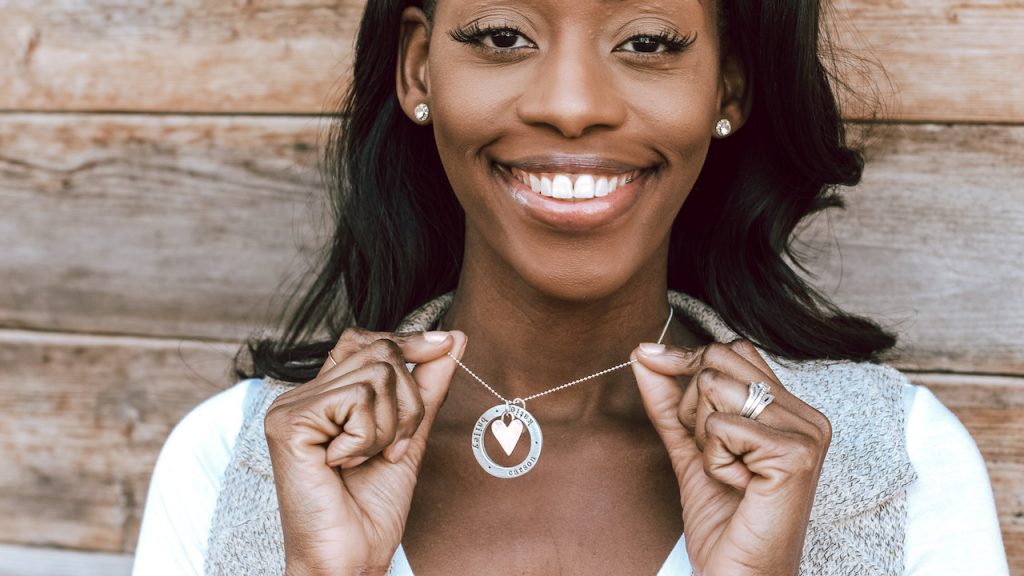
column 608, row 98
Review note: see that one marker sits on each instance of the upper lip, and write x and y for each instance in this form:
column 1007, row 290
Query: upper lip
column 572, row 164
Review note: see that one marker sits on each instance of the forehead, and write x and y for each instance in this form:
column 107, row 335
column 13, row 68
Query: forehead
column 577, row 9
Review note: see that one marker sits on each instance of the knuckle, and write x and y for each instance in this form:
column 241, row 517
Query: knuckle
column 708, row 380
column 364, row 392
column 381, row 371
column 742, row 345
column 803, row 453
column 713, row 354
column 825, row 426
column 385, row 348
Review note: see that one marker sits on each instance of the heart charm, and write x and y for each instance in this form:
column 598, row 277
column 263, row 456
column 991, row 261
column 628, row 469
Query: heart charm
column 507, row 435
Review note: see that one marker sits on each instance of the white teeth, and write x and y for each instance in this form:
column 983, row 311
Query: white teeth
column 584, row 187
column 561, row 187
column 545, row 186
column 567, row 186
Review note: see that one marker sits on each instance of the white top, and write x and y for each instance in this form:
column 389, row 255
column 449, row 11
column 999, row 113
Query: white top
column 952, row 527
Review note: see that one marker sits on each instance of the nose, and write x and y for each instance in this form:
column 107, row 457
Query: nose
column 572, row 92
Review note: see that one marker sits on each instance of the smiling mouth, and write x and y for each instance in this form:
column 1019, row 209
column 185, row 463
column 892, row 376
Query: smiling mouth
column 572, row 186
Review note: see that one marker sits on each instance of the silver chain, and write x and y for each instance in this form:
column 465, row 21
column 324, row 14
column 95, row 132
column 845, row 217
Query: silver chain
column 522, row 401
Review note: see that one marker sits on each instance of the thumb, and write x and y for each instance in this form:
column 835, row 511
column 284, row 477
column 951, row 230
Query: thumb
column 433, row 379
column 662, row 396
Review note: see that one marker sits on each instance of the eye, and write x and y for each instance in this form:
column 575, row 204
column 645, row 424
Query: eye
column 505, row 38
column 494, row 38
column 651, row 44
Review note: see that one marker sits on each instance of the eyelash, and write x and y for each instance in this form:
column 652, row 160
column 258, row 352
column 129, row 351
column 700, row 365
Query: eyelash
column 474, row 34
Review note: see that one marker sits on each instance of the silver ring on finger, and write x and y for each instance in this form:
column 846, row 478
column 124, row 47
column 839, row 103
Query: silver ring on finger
column 756, row 392
column 765, row 401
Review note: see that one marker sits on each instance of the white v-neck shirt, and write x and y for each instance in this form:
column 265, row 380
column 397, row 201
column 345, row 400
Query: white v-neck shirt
column 952, row 526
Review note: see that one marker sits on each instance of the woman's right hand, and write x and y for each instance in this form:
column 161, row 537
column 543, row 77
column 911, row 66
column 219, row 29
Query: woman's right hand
column 346, row 449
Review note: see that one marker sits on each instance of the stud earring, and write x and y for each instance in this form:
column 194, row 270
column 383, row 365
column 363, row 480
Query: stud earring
column 723, row 128
column 422, row 112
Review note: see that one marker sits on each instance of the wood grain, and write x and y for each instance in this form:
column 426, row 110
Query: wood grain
column 186, row 226
column 930, row 245
column 153, row 225
column 83, row 421
column 941, row 60
column 949, row 60
column 29, row 561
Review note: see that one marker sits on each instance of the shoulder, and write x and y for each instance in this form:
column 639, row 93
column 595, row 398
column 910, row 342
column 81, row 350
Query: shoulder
column 953, row 526
column 185, row 483
column 867, row 466
column 846, row 389
column 206, row 434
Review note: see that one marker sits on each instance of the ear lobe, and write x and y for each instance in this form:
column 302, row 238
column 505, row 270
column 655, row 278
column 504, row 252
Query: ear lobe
column 735, row 92
column 411, row 84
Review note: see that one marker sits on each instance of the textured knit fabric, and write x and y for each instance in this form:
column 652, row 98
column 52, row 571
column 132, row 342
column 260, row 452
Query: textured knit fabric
column 858, row 519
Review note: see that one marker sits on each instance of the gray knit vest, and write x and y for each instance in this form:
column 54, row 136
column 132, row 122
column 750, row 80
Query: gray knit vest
column 858, row 518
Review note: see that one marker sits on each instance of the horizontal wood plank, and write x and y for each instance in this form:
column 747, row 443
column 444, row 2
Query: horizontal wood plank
column 186, row 227
column 949, row 60
column 929, row 245
column 941, row 60
column 30, row 561
column 84, row 420
column 162, row 225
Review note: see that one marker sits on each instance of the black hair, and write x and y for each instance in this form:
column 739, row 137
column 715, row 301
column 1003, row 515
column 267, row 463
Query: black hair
column 399, row 230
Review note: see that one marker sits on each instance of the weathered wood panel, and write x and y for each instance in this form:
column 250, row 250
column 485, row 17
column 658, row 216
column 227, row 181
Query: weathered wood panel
column 83, row 421
column 28, row 561
column 158, row 225
column 930, row 245
column 178, row 226
column 179, row 55
column 950, row 60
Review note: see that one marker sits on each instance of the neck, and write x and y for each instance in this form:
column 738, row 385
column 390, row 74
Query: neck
column 523, row 342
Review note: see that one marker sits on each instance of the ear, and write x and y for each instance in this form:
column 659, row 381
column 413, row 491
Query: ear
column 411, row 72
column 734, row 92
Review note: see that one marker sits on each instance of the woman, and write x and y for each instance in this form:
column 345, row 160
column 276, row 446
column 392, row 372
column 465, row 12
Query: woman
column 519, row 186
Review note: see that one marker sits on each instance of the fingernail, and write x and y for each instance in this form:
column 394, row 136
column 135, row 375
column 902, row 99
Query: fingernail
column 435, row 336
column 649, row 349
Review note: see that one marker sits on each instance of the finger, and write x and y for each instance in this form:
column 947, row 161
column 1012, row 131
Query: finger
column 415, row 346
column 356, row 418
column 342, row 418
column 399, row 404
column 433, row 379
column 721, row 392
column 680, row 361
column 661, row 397
column 746, row 348
column 740, row 449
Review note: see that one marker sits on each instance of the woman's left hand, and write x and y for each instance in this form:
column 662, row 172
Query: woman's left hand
column 746, row 486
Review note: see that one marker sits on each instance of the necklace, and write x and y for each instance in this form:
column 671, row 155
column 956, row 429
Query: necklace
column 508, row 434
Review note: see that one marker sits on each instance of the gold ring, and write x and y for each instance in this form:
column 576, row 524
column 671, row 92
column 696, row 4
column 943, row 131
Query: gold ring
column 331, row 356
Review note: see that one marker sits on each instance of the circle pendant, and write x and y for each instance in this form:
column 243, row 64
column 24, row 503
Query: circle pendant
column 484, row 459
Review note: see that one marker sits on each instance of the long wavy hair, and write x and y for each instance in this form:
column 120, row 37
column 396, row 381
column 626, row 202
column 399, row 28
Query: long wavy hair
column 398, row 229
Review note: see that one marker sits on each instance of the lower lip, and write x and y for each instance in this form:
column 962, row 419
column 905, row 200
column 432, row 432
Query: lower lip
column 578, row 214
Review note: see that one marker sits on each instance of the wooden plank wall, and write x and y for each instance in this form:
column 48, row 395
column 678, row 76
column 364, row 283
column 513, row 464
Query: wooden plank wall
column 158, row 184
